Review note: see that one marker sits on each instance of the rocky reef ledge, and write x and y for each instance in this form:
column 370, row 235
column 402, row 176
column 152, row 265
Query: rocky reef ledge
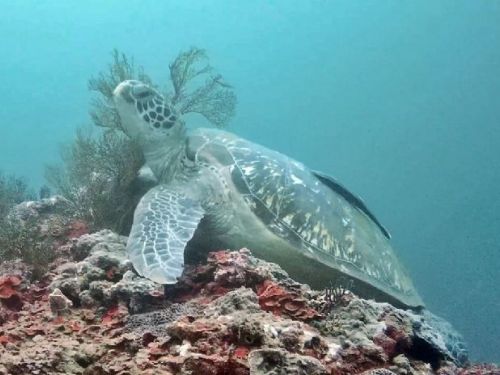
column 233, row 314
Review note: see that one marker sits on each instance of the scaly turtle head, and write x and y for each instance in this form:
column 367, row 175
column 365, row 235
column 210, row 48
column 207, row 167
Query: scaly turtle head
column 145, row 114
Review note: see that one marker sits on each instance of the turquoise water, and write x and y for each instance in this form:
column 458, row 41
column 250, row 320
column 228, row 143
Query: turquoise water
column 399, row 100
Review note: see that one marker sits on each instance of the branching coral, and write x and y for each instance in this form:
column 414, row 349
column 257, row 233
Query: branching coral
column 103, row 112
column 197, row 88
column 98, row 177
column 98, row 173
column 214, row 99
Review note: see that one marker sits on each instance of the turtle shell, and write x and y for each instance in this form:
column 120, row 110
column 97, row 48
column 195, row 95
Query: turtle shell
column 318, row 217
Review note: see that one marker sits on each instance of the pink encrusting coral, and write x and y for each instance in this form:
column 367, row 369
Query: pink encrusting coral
column 278, row 300
column 8, row 286
column 232, row 314
column 10, row 297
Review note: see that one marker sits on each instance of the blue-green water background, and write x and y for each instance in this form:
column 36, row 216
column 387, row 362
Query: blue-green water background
column 400, row 100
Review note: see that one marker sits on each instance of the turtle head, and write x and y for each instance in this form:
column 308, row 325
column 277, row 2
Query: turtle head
column 145, row 114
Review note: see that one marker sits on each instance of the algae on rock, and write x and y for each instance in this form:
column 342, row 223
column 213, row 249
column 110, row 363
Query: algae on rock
column 20, row 239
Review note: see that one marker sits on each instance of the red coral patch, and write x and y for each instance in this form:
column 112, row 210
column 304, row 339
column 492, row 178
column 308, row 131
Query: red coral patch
column 77, row 228
column 9, row 296
column 115, row 315
column 7, row 286
column 278, row 300
column 241, row 352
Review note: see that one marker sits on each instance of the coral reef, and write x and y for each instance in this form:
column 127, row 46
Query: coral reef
column 100, row 274
column 232, row 314
column 59, row 303
column 277, row 361
column 32, row 230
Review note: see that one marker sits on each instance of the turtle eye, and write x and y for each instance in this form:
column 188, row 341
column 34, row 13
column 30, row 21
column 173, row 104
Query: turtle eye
column 141, row 91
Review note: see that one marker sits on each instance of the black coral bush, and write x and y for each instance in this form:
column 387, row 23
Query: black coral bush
column 98, row 178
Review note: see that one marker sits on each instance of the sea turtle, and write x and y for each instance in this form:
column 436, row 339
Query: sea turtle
column 216, row 190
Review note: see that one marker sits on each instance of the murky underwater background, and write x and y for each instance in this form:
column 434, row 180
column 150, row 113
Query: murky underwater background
column 399, row 100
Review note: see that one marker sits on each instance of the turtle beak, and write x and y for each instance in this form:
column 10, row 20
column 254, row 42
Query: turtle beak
column 124, row 104
column 123, row 90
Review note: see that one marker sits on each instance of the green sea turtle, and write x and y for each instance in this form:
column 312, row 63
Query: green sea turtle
column 217, row 190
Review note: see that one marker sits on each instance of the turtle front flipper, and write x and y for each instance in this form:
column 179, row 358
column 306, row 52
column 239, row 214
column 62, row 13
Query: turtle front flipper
column 164, row 221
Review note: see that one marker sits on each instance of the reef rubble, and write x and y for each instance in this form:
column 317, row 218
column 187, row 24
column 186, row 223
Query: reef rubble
column 232, row 314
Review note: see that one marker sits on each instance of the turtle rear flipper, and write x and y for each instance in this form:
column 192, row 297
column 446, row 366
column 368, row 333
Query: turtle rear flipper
column 164, row 221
